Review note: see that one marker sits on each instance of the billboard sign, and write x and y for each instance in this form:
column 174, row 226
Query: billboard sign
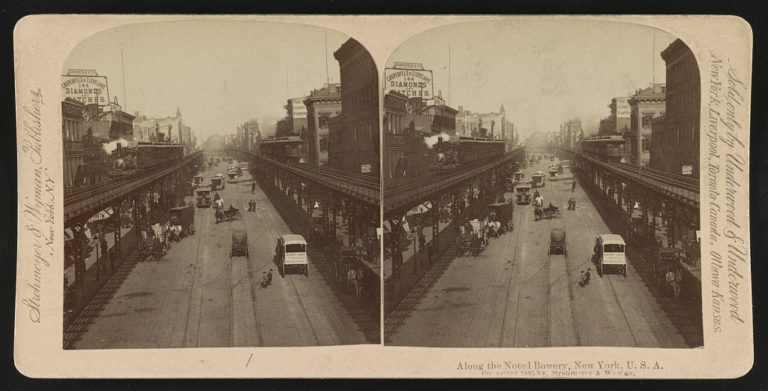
column 85, row 86
column 365, row 168
column 298, row 108
column 409, row 81
column 687, row 169
column 622, row 108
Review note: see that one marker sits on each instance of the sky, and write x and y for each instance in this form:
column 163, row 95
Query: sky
column 219, row 74
column 543, row 72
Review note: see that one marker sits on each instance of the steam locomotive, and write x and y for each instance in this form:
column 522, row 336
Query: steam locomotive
column 455, row 153
column 126, row 161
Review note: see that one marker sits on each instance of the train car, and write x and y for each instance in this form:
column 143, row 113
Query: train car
column 609, row 149
column 283, row 149
column 105, row 159
column 144, row 156
column 453, row 154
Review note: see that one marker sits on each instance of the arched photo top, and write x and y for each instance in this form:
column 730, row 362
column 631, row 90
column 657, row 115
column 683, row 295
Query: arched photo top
column 541, row 70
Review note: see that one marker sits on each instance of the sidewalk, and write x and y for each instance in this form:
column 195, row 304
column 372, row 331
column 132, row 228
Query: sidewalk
column 366, row 312
column 396, row 291
column 686, row 314
column 76, row 298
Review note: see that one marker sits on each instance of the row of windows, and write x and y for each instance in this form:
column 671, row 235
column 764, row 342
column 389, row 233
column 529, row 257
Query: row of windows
column 366, row 98
column 71, row 130
column 393, row 123
column 685, row 102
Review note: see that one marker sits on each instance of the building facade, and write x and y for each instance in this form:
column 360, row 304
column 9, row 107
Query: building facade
column 681, row 131
column 394, row 142
column 167, row 129
column 72, row 133
column 571, row 133
column 359, row 149
column 321, row 104
column 645, row 105
column 296, row 116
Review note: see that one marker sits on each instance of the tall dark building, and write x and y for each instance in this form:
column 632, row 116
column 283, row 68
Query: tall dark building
column 358, row 150
column 678, row 151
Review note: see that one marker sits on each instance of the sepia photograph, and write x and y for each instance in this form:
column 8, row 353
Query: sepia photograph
column 383, row 196
column 541, row 187
column 221, row 188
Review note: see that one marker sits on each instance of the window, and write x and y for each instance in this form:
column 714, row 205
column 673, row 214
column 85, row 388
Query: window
column 613, row 248
column 323, row 120
column 647, row 118
column 295, row 248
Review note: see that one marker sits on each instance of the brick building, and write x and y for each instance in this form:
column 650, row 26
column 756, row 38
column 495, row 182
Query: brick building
column 645, row 105
column 679, row 153
column 321, row 104
column 358, row 150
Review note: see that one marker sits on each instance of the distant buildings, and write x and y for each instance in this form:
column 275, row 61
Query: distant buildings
column 571, row 133
column 170, row 129
column 248, row 136
column 296, row 117
column 677, row 149
column 645, row 105
column 618, row 123
column 358, row 145
column 321, row 105
column 112, row 123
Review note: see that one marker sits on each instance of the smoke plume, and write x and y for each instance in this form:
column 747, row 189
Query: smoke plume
column 432, row 140
column 112, row 145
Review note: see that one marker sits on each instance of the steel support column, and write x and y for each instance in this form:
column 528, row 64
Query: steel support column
column 435, row 223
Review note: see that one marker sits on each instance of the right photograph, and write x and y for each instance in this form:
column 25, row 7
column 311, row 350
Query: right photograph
column 541, row 187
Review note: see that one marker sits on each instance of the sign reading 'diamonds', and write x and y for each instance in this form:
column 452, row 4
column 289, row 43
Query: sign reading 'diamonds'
column 86, row 86
column 409, row 79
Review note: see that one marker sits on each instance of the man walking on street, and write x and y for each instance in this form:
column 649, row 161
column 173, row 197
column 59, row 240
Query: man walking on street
column 573, row 186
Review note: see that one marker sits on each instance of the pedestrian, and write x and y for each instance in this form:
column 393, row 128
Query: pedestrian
column 671, row 284
column 104, row 252
column 573, row 186
column 253, row 187
column 264, row 280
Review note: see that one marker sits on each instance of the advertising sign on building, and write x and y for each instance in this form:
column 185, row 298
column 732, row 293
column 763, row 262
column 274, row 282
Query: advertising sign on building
column 365, row 168
column 687, row 169
column 85, row 86
column 409, row 79
column 298, row 108
column 622, row 108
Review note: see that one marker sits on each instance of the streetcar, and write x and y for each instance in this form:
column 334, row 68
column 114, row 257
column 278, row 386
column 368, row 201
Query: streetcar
column 610, row 253
column 293, row 254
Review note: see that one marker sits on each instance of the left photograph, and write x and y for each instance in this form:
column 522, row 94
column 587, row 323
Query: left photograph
column 221, row 187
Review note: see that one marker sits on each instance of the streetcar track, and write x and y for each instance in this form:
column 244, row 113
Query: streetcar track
column 512, row 272
column 609, row 278
column 272, row 228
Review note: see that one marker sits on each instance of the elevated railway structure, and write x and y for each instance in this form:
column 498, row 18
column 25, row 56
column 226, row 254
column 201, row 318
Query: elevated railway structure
column 644, row 193
column 322, row 192
column 137, row 200
column 478, row 182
